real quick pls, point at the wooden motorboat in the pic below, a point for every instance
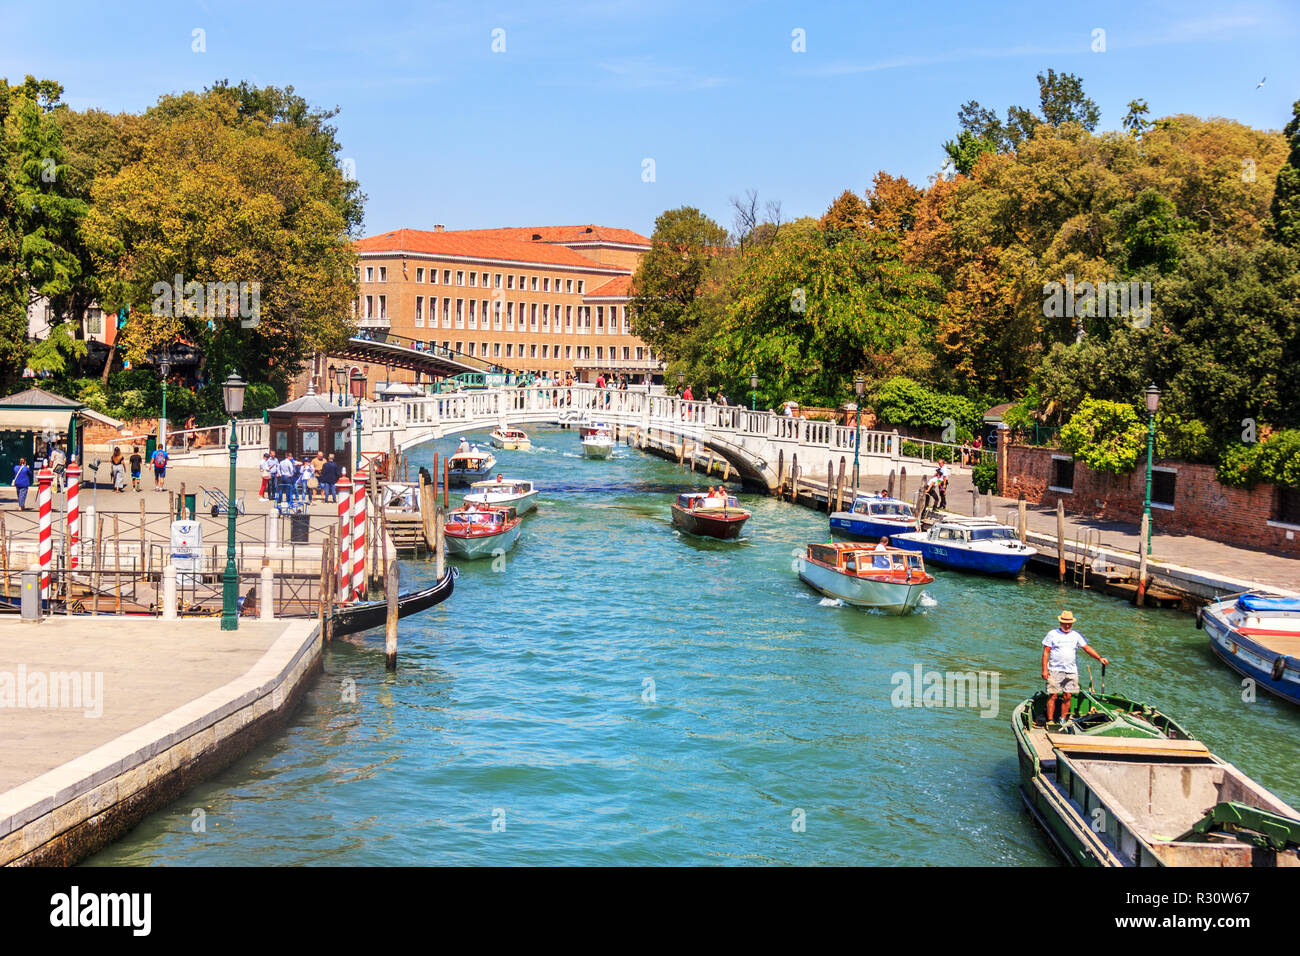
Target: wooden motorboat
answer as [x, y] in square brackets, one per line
[1258, 636]
[510, 439]
[363, 615]
[597, 440]
[466, 467]
[710, 517]
[972, 544]
[1118, 783]
[889, 579]
[514, 493]
[874, 516]
[479, 532]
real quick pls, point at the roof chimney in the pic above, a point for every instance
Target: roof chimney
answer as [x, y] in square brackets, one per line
[438, 227]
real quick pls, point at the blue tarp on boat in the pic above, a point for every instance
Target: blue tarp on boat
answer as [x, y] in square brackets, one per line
[1259, 602]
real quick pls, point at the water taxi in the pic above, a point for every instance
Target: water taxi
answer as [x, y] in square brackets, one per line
[504, 492]
[971, 544]
[1259, 637]
[510, 439]
[597, 440]
[874, 516]
[480, 532]
[890, 579]
[469, 466]
[719, 516]
[1118, 783]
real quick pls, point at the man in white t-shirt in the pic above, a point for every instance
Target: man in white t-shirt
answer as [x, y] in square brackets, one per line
[1060, 668]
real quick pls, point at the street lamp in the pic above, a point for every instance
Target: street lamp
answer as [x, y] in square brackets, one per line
[681, 378]
[333, 370]
[164, 369]
[859, 385]
[1153, 402]
[341, 380]
[358, 389]
[232, 395]
[753, 391]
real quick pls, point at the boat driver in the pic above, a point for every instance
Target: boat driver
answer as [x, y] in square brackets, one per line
[1060, 668]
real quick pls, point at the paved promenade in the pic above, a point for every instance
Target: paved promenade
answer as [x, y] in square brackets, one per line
[102, 722]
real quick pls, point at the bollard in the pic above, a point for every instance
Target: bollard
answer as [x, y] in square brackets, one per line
[169, 593]
[272, 530]
[31, 599]
[265, 603]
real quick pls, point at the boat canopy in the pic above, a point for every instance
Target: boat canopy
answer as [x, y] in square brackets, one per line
[883, 507]
[698, 500]
[1261, 602]
[851, 559]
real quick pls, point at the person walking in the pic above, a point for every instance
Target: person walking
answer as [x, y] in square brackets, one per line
[137, 462]
[285, 478]
[264, 470]
[307, 477]
[22, 482]
[159, 462]
[118, 471]
[329, 477]
[1061, 667]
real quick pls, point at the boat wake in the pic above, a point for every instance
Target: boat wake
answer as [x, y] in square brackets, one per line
[830, 602]
[928, 601]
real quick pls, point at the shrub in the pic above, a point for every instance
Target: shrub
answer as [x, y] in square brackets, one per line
[1276, 461]
[985, 476]
[1106, 436]
[901, 401]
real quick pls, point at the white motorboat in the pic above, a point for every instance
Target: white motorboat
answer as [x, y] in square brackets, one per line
[597, 440]
[889, 579]
[466, 467]
[502, 492]
[510, 439]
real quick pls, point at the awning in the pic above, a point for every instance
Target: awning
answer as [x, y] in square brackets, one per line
[35, 419]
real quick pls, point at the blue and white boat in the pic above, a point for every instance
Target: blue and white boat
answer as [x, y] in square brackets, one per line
[1259, 637]
[971, 544]
[873, 516]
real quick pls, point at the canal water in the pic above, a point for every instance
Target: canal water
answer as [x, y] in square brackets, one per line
[613, 692]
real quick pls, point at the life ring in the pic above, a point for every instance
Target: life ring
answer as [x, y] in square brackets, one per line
[1200, 623]
[1279, 666]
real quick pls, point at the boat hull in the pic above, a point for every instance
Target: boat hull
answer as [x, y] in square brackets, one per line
[1250, 659]
[889, 596]
[850, 525]
[483, 545]
[724, 527]
[597, 449]
[521, 503]
[349, 619]
[966, 559]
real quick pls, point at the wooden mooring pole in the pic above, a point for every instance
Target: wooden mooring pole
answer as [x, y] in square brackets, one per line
[1060, 539]
[1022, 522]
[1141, 596]
[390, 623]
[839, 488]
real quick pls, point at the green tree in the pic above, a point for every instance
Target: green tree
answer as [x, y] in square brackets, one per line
[1105, 436]
[13, 283]
[1284, 222]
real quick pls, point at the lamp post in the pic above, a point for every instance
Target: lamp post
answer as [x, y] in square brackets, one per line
[681, 379]
[753, 392]
[164, 369]
[859, 384]
[358, 389]
[341, 380]
[333, 369]
[232, 394]
[1153, 402]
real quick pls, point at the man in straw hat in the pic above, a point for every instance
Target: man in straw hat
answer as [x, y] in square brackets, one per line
[1060, 669]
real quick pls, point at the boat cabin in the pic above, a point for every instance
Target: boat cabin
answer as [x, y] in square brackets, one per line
[698, 501]
[487, 519]
[973, 531]
[878, 507]
[511, 434]
[509, 486]
[859, 561]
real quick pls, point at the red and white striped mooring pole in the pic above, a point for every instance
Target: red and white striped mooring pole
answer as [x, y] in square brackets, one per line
[359, 533]
[45, 549]
[74, 516]
[344, 487]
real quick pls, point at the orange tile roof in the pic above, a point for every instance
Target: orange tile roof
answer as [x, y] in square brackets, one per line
[620, 286]
[470, 244]
[562, 234]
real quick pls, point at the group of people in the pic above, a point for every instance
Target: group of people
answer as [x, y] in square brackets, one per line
[118, 464]
[289, 480]
[936, 489]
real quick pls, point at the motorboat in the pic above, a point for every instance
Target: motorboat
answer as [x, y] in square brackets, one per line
[472, 532]
[597, 440]
[889, 579]
[466, 467]
[510, 439]
[874, 516]
[504, 492]
[1258, 636]
[710, 516]
[972, 544]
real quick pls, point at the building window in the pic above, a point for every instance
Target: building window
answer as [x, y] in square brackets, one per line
[496, 281]
[433, 276]
[1288, 505]
[1163, 484]
[600, 353]
[532, 319]
[640, 353]
[460, 315]
[419, 275]
[473, 315]
[1062, 475]
[532, 350]
[510, 316]
[460, 277]
[520, 353]
[446, 313]
[473, 279]
[568, 351]
[546, 317]
[600, 317]
[419, 311]
[582, 287]
[383, 306]
[484, 276]
[471, 348]
[626, 357]
[370, 273]
[460, 346]
[568, 286]
[370, 307]
[496, 314]
[509, 349]
[521, 283]
[94, 321]
[545, 349]
[496, 349]
[383, 273]
[446, 277]
[510, 281]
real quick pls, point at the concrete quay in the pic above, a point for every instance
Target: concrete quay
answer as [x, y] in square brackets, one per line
[100, 726]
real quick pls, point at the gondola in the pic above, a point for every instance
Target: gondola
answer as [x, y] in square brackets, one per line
[363, 615]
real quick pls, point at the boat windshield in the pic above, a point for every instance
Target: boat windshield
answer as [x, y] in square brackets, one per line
[992, 534]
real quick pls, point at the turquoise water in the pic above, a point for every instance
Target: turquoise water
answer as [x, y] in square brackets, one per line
[615, 693]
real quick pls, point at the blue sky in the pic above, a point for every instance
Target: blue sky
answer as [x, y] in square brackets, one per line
[556, 128]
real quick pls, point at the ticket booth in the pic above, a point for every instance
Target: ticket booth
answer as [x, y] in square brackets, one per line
[309, 425]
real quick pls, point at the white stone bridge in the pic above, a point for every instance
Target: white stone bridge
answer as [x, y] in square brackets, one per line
[757, 444]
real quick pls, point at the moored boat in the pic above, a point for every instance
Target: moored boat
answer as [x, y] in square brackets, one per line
[1259, 637]
[480, 532]
[874, 516]
[504, 492]
[971, 544]
[710, 517]
[889, 579]
[510, 439]
[363, 615]
[1118, 783]
[466, 467]
[597, 440]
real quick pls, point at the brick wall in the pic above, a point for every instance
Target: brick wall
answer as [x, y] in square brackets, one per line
[1202, 506]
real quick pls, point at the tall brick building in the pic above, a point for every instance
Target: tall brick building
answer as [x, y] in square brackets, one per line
[549, 299]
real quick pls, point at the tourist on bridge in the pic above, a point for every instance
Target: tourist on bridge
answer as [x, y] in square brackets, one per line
[22, 481]
[1060, 664]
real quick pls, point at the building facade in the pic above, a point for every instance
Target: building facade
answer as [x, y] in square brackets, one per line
[546, 300]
